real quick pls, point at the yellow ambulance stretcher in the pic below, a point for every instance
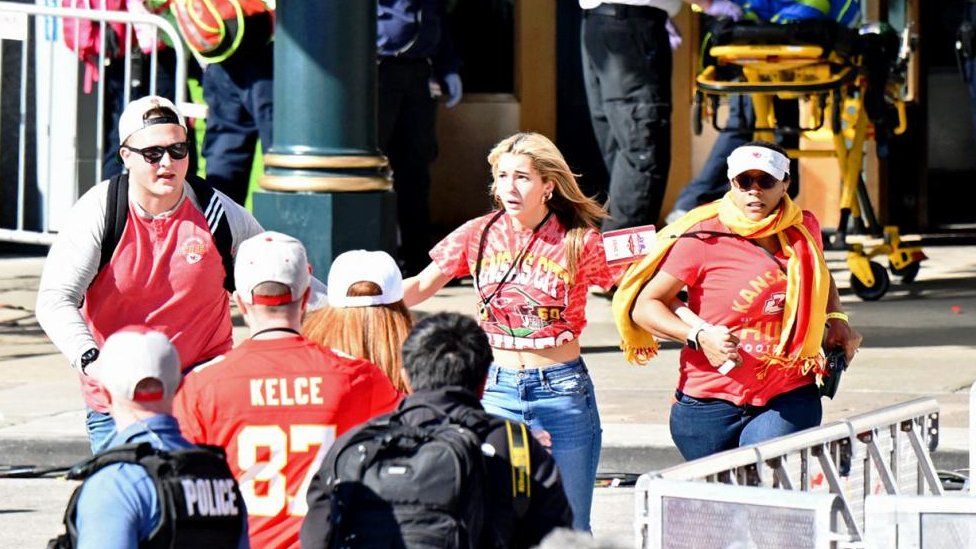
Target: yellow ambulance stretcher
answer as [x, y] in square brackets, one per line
[839, 75]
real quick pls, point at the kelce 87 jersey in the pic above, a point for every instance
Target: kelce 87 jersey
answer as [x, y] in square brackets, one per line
[276, 406]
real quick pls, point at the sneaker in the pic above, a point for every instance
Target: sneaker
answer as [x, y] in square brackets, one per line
[674, 216]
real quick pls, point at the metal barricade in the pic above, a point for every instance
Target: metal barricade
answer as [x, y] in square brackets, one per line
[883, 451]
[914, 522]
[695, 515]
[52, 172]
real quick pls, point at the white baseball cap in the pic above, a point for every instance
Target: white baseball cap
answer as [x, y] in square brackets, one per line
[133, 117]
[363, 266]
[271, 257]
[752, 157]
[133, 354]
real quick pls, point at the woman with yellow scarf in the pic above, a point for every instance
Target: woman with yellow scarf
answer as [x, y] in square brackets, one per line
[759, 297]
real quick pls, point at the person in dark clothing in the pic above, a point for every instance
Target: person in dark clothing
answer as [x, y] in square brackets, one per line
[446, 359]
[417, 65]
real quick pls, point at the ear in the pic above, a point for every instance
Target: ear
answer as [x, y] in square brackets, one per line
[549, 186]
[305, 297]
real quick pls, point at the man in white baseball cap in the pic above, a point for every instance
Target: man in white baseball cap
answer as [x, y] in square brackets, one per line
[155, 245]
[277, 377]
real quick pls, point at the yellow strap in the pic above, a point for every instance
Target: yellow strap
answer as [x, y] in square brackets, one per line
[518, 454]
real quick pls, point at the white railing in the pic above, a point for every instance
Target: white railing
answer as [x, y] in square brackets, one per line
[912, 522]
[695, 514]
[883, 451]
[63, 119]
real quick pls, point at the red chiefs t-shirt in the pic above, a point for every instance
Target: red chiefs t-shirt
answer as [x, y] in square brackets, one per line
[277, 406]
[166, 273]
[535, 304]
[734, 283]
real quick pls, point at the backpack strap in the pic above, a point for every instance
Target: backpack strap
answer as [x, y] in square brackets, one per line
[519, 456]
[116, 216]
[213, 212]
[127, 453]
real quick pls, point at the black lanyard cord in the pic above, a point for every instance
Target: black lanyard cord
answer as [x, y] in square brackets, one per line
[269, 330]
[515, 263]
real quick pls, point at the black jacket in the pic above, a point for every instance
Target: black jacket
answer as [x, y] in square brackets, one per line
[548, 507]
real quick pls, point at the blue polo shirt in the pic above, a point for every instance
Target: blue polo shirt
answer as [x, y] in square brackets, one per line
[118, 505]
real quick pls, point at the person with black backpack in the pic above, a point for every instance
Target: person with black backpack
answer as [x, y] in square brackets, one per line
[439, 471]
[155, 246]
[151, 488]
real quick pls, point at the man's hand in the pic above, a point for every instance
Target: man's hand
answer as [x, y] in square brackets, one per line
[841, 336]
[722, 8]
[674, 36]
[719, 345]
[454, 89]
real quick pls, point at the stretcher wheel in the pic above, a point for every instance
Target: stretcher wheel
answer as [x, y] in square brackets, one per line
[907, 273]
[874, 292]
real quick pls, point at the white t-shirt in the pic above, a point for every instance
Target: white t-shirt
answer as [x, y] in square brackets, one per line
[670, 6]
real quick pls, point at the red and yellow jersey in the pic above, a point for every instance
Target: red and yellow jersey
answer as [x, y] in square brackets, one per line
[534, 303]
[734, 283]
[276, 406]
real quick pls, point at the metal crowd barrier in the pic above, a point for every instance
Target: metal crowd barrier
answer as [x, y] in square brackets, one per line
[883, 451]
[911, 522]
[697, 515]
[59, 113]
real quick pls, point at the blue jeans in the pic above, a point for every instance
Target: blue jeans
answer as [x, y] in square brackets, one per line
[560, 400]
[101, 429]
[704, 426]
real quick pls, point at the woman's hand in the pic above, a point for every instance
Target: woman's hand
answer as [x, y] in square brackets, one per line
[841, 336]
[719, 345]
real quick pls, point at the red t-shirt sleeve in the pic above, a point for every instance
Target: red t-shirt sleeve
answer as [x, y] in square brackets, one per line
[593, 268]
[451, 253]
[684, 259]
[187, 414]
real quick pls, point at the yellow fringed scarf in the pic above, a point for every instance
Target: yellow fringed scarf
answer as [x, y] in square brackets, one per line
[807, 283]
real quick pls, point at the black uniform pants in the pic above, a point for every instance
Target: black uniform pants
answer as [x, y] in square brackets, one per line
[407, 115]
[627, 73]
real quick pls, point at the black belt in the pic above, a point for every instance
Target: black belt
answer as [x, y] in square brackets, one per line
[625, 11]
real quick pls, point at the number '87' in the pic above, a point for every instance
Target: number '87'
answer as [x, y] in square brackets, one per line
[302, 438]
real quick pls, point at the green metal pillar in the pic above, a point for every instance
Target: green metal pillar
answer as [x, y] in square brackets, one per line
[325, 180]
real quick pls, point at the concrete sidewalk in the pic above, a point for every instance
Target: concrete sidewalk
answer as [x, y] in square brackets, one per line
[920, 340]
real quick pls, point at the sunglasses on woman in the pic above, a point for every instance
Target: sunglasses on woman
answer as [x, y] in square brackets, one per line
[152, 155]
[744, 181]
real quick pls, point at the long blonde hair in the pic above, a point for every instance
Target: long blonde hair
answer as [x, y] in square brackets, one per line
[576, 211]
[374, 333]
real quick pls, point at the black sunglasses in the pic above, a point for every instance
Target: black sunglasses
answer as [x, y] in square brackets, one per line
[744, 181]
[152, 155]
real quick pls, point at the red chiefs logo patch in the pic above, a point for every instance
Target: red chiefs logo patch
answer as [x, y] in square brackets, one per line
[774, 304]
[193, 249]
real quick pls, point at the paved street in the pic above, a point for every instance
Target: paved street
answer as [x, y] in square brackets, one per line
[920, 340]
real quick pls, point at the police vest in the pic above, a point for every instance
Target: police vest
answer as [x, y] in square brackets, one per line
[199, 501]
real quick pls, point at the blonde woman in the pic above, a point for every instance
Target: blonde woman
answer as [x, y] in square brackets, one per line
[366, 317]
[532, 259]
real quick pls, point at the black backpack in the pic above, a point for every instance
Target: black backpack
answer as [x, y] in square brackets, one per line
[117, 215]
[396, 485]
[199, 500]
